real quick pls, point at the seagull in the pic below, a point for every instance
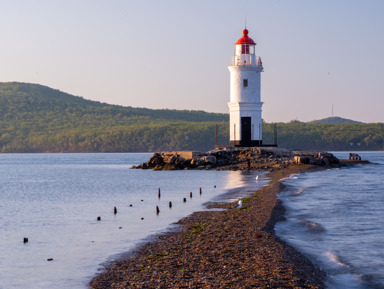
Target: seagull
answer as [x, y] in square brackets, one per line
[257, 178]
[238, 206]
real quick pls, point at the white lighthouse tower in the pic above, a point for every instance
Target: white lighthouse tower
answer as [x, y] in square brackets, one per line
[245, 102]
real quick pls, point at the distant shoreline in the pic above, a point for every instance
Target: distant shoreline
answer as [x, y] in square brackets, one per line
[235, 248]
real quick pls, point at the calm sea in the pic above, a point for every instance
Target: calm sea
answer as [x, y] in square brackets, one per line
[54, 201]
[336, 217]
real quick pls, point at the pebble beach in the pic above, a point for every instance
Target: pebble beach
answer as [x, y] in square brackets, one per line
[227, 248]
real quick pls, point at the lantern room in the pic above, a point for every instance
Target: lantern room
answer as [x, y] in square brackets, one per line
[245, 51]
[245, 45]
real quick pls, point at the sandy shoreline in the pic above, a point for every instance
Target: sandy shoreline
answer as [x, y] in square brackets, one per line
[235, 248]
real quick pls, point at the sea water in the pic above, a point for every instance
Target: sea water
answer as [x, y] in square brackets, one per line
[54, 201]
[336, 217]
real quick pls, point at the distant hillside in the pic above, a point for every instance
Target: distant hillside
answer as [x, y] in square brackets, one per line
[328, 137]
[335, 120]
[36, 118]
[28, 100]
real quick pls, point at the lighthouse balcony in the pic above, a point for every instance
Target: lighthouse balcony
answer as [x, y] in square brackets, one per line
[246, 60]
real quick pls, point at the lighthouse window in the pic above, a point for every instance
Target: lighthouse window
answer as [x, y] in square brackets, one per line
[245, 83]
[245, 49]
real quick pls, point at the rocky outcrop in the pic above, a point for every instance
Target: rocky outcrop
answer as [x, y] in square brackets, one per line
[315, 158]
[179, 161]
[236, 158]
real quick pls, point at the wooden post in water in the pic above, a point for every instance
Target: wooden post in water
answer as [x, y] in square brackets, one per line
[185, 200]
[190, 194]
[25, 240]
[159, 193]
[170, 204]
[157, 210]
[115, 210]
[200, 191]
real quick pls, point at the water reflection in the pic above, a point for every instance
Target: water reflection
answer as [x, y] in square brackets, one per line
[240, 184]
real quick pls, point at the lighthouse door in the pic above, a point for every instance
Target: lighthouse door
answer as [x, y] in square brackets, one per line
[246, 131]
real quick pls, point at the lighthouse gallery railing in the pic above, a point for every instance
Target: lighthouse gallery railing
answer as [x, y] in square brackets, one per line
[246, 59]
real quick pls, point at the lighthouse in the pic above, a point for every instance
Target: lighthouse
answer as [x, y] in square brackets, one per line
[245, 102]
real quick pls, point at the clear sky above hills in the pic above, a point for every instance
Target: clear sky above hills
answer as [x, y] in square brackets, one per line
[174, 54]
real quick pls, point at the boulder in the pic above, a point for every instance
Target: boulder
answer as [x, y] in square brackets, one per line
[155, 160]
[180, 160]
[209, 160]
[169, 167]
[301, 159]
[196, 161]
[169, 159]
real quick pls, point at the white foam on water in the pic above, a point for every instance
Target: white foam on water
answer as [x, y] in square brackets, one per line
[299, 191]
[335, 259]
[313, 225]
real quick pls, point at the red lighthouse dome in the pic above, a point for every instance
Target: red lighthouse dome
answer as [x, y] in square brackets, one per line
[245, 39]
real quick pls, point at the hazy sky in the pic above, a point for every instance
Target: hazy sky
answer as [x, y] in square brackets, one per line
[174, 54]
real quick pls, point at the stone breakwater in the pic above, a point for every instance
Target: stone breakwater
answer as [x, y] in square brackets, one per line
[236, 158]
[231, 247]
[228, 248]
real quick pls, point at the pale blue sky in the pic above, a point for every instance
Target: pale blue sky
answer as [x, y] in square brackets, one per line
[174, 54]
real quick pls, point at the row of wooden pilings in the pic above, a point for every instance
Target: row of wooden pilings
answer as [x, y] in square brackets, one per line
[25, 240]
[170, 203]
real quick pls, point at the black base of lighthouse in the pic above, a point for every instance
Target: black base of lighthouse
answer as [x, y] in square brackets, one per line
[252, 143]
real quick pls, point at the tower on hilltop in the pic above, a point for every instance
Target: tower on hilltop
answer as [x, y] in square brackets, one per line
[245, 102]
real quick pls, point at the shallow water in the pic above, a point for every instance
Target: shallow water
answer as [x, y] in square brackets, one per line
[55, 199]
[336, 217]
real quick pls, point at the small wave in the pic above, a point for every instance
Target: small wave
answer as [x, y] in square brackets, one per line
[216, 210]
[313, 226]
[299, 191]
[336, 259]
[293, 176]
[282, 180]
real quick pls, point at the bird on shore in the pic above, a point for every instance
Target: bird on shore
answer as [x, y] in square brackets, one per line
[239, 204]
[257, 178]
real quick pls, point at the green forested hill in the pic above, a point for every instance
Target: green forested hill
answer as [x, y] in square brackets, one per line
[26, 101]
[328, 137]
[36, 118]
[335, 120]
